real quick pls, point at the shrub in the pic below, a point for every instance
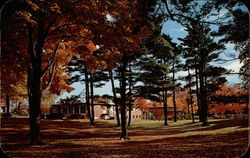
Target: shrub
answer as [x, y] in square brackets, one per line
[6, 115]
[75, 116]
[55, 116]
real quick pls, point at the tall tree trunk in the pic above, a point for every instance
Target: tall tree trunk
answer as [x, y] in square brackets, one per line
[34, 82]
[174, 101]
[204, 108]
[87, 96]
[115, 98]
[130, 99]
[92, 99]
[129, 113]
[190, 95]
[34, 108]
[198, 95]
[124, 133]
[192, 109]
[18, 106]
[8, 105]
[188, 105]
[165, 107]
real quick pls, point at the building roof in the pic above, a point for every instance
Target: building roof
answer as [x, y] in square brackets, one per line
[159, 107]
[104, 104]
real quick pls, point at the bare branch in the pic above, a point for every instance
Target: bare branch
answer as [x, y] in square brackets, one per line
[52, 61]
[51, 76]
[60, 27]
[67, 37]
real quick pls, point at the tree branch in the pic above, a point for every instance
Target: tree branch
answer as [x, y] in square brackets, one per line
[52, 60]
[67, 37]
[51, 74]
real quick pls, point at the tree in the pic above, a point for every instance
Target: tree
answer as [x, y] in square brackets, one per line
[236, 32]
[115, 99]
[12, 63]
[176, 65]
[201, 49]
[229, 99]
[143, 104]
[231, 16]
[50, 30]
[154, 69]
[133, 35]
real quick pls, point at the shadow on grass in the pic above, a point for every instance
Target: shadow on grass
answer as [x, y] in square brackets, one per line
[65, 137]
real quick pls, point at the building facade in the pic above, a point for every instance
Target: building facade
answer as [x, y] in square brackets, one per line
[102, 111]
[158, 113]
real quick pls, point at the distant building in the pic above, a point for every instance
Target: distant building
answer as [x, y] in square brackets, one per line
[158, 113]
[68, 109]
[136, 114]
[102, 111]
[2, 108]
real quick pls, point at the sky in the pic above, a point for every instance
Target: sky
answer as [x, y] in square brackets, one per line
[176, 31]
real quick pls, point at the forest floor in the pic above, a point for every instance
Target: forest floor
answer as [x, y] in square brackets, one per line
[149, 139]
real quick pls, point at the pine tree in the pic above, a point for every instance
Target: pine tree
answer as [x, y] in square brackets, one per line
[176, 66]
[155, 68]
[201, 51]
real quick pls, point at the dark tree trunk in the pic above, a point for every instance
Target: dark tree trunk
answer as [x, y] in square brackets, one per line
[34, 82]
[34, 108]
[190, 95]
[129, 113]
[204, 109]
[165, 106]
[174, 101]
[115, 98]
[18, 106]
[124, 133]
[198, 95]
[92, 99]
[8, 105]
[130, 99]
[192, 110]
[87, 97]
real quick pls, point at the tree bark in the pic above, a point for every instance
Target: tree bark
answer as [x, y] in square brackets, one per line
[190, 95]
[165, 106]
[115, 98]
[130, 99]
[87, 97]
[34, 82]
[18, 106]
[204, 109]
[129, 114]
[198, 95]
[92, 99]
[34, 109]
[8, 105]
[124, 133]
[174, 102]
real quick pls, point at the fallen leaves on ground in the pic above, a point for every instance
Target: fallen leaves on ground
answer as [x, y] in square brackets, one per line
[149, 139]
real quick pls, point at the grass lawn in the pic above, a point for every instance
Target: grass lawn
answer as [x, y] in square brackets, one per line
[149, 139]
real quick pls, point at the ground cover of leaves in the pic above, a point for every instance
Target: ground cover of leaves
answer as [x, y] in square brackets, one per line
[149, 139]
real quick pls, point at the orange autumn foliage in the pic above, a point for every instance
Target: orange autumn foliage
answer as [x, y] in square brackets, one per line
[142, 103]
[228, 91]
